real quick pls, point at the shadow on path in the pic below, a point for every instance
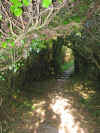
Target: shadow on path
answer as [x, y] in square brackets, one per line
[51, 107]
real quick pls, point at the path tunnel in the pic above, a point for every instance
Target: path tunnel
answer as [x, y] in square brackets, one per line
[68, 58]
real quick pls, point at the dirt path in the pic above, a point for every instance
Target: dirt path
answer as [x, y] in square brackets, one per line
[57, 110]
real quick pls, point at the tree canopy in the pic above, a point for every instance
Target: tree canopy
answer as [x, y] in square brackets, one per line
[25, 22]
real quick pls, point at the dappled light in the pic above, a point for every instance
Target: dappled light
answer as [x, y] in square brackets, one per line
[85, 92]
[63, 108]
[56, 115]
[57, 112]
[49, 66]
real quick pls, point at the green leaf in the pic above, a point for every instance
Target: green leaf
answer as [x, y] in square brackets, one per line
[12, 44]
[26, 2]
[0, 16]
[8, 40]
[14, 1]
[60, 1]
[12, 8]
[18, 12]
[33, 107]
[46, 3]
[19, 4]
[4, 44]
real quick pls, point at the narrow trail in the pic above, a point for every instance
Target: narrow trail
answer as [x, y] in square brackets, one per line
[58, 110]
[65, 75]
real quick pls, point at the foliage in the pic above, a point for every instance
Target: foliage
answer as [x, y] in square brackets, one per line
[16, 7]
[17, 28]
[25, 53]
[23, 37]
[84, 44]
[21, 33]
[46, 3]
[67, 65]
[37, 45]
[0, 17]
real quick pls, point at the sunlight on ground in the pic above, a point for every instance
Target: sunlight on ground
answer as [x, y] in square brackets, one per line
[63, 109]
[57, 114]
[84, 91]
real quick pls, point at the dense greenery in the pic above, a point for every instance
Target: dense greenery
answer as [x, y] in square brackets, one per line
[34, 36]
[76, 23]
[85, 45]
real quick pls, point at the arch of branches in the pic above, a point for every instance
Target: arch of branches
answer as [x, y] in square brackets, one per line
[38, 24]
[86, 46]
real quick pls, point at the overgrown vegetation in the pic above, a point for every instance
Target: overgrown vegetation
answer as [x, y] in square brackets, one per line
[34, 36]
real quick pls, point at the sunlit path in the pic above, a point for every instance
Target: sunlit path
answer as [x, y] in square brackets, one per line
[57, 110]
[62, 107]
